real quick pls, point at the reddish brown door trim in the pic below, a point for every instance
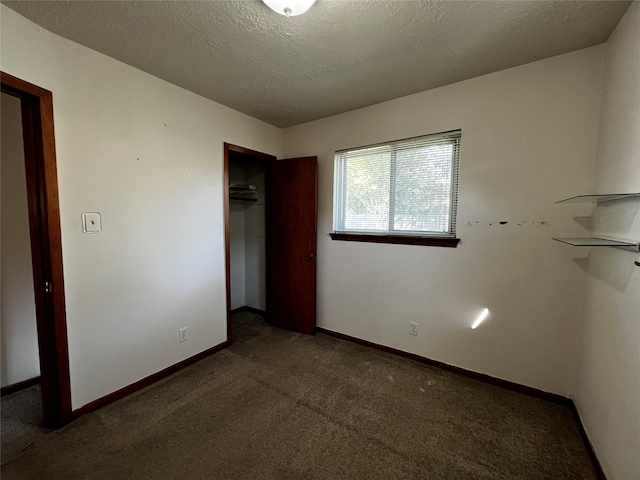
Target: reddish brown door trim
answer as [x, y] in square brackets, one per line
[46, 246]
[230, 149]
[16, 387]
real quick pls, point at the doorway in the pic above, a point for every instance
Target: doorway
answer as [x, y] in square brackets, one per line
[247, 237]
[36, 105]
[270, 236]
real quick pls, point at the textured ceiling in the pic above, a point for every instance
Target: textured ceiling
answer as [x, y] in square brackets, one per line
[339, 56]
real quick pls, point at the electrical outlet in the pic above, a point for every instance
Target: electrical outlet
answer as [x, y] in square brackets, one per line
[182, 334]
[413, 328]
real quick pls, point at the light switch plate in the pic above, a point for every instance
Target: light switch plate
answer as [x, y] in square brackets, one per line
[91, 222]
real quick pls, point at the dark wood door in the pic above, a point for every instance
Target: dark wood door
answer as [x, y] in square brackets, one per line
[291, 218]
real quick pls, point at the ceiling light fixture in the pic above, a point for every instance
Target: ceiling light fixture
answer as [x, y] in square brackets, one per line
[289, 8]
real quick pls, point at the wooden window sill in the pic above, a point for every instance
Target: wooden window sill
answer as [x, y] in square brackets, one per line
[431, 241]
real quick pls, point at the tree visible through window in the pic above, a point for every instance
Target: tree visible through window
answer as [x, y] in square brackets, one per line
[408, 187]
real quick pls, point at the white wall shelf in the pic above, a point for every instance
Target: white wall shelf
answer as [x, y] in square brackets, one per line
[607, 197]
[598, 241]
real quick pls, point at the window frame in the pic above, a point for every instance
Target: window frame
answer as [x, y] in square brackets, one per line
[394, 236]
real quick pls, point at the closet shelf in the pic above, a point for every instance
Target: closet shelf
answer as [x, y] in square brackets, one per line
[242, 192]
[599, 198]
[245, 187]
[243, 199]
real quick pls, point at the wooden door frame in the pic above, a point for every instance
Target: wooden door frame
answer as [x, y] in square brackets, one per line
[228, 148]
[46, 246]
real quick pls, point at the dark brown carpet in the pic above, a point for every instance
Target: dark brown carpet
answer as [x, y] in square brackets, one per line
[279, 405]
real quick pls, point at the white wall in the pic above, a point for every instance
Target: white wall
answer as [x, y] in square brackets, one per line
[608, 395]
[236, 241]
[528, 140]
[255, 262]
[148, 156]
[20, 360]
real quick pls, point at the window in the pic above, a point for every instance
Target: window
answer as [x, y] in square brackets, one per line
[398, 192]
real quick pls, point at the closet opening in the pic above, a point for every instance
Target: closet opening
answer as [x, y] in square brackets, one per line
[246, 172]
[271, 209]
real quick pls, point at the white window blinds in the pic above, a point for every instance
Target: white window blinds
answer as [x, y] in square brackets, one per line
[407, 187]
